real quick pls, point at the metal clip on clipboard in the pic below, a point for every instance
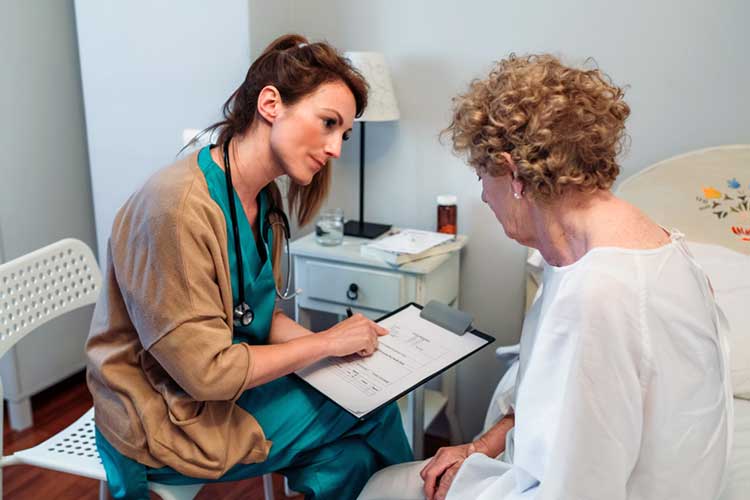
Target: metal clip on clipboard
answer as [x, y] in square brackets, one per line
[458, 322]
[454, 321]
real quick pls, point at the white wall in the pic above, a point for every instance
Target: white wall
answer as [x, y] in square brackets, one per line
[44, 185]
[686, 64]
[268, 21]
[45, 194]
[150, 70]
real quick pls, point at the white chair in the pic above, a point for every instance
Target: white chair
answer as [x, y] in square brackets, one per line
[35, 289]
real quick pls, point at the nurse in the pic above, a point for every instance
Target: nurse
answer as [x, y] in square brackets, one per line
[622, 388]
[190, 374]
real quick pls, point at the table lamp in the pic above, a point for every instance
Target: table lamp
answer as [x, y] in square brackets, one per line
[381, 107]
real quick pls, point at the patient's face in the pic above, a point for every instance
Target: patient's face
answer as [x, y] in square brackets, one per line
[512, 213]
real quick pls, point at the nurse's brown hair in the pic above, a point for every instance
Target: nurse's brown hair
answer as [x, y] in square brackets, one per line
[296, 68]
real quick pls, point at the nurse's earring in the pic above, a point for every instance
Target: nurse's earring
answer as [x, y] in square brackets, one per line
[517, 196]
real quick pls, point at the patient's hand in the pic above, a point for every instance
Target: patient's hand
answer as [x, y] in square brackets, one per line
[439, 472]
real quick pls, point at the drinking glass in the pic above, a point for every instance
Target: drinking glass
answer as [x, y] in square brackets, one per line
[329, 228]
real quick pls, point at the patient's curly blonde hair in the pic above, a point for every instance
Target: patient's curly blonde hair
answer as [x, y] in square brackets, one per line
[563, 127]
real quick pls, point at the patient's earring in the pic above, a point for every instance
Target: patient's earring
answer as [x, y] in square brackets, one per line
[516, 194]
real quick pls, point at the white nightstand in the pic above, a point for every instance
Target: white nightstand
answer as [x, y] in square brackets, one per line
[337, 277]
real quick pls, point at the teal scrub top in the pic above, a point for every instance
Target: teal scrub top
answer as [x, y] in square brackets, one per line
[260, 289]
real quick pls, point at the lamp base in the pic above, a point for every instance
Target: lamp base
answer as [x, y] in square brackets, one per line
[368, 230]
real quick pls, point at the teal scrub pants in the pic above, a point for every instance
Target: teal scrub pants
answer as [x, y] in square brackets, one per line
[329, 454]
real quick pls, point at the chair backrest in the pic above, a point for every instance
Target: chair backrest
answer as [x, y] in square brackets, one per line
[42, 285]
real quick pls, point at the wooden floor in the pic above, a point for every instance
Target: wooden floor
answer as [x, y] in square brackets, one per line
[58, 407]
[55, 409]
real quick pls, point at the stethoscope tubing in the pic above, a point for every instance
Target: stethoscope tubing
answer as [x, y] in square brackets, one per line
[243, 313]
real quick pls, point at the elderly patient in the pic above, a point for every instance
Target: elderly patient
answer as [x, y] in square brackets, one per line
[621, 389]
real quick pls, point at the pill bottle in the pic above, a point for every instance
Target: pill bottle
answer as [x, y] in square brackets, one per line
[446, 213]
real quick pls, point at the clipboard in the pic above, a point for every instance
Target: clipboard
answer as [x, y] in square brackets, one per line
[331, 375]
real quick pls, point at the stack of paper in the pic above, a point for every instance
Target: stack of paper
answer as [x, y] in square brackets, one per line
[412, 244]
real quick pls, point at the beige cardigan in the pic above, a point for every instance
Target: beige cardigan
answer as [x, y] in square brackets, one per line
[162, 368]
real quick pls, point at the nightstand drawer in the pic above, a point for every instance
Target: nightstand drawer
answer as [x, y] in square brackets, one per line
[354, 286]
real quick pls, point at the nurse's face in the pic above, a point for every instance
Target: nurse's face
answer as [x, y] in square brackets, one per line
[307, 134]
[512, 213]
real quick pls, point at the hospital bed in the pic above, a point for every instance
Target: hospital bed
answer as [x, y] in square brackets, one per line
[706, 195]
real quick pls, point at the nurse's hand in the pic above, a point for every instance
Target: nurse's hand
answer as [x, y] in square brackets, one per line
[353, 335]
[439, 472]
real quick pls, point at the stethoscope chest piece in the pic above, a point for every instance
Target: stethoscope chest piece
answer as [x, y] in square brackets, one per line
[243, 315]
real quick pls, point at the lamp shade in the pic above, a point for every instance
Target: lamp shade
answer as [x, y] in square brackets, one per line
[381, 101]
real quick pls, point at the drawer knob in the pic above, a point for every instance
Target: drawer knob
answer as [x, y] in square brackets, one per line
[353, 292]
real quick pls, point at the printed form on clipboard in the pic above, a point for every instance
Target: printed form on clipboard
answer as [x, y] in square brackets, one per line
[415, 350]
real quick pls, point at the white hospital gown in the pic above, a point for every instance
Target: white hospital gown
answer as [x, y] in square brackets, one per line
[622, 389]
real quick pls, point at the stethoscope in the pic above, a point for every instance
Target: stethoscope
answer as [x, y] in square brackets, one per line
[243, 313]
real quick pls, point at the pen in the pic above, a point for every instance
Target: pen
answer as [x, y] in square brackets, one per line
[349, 312]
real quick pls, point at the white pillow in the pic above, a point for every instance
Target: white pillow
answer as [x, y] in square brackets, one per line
[729, 273]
